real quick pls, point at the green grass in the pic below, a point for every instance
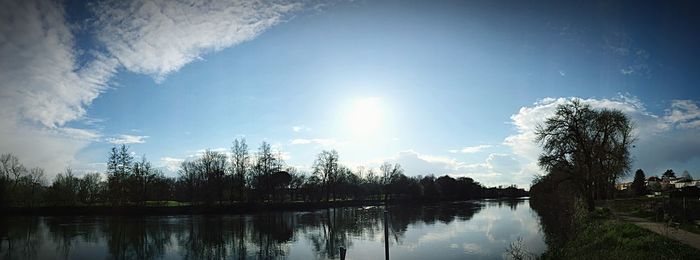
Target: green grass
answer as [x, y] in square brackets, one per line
[612, 239]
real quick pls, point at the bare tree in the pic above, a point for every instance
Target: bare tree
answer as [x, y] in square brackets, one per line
[326, 168]
[240, 164]
[142, 175]
[213, 166]
[389, 172]
[265, 165]
[191, 178]
[90, 188]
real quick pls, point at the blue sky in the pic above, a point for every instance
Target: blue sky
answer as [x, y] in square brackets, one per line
[440, 87]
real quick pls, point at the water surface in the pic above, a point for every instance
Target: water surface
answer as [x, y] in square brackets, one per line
[466, 230]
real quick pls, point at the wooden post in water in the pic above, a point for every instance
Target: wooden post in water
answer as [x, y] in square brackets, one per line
[386, 234]
[342, 253]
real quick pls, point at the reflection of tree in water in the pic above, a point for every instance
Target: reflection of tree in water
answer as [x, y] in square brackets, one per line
[511, 203]
[331, 228]
[262, 236]
[64, 231]
[270, 232]
[208, 237]
[136, 237]
[334, 228]
[202, 237]
[19, 237]
[403, 216]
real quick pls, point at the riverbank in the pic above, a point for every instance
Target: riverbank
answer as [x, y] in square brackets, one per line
[605, 237]
[226, 208]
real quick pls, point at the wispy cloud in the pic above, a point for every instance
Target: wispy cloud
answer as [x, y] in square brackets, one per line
[43, 87]
[684, 113]
[300, 128]
[127, 139]
[319, 141]
[159, 37]
[471, 149]
[48, 81]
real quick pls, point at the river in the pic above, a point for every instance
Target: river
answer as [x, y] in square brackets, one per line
[466, 230]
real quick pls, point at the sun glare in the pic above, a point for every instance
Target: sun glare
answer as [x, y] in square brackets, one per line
[365, 116]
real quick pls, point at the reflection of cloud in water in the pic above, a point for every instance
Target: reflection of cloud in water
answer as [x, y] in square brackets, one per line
[472, 248]
[442, 232]
[446, 231]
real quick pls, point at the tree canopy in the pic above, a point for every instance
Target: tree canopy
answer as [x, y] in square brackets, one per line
[590, 146]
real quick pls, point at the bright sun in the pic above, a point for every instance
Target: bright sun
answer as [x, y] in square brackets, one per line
[365, 116]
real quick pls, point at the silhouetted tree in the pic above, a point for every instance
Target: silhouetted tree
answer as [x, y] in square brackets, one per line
[213, 166]
[296, 182]
[142, 175]
[266, 164]
[389, 172]
[119, 166]
[592, 146]
[326, 168]
[430, 191]
[90, 188]
[669, 174]
[65, 189]
[240, 164]
[11, 173]
[190, 180]
[638, 184]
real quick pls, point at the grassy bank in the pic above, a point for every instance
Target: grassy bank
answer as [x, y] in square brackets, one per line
[603, 237]
[661, 209]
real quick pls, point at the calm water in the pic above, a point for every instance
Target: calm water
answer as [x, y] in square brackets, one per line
[480, 230]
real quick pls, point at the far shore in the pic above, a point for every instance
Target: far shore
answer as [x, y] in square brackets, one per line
[225, 208]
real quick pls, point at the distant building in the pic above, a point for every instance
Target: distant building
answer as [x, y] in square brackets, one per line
[623, 186]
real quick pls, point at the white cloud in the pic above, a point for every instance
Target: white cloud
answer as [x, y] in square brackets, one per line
[662, 140]
[42, 81]
[43, 86]
[471, 149]
[684, 113]
[300, 128]
[49, 82]
[318, 141]
[171, 164]
[127, 139]
[159, 37]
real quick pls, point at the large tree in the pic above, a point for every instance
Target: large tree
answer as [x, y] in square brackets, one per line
[591, 146]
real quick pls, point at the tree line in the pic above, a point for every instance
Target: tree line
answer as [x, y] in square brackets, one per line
[240, 176]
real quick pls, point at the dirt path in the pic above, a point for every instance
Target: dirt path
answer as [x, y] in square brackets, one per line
[680, 235]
